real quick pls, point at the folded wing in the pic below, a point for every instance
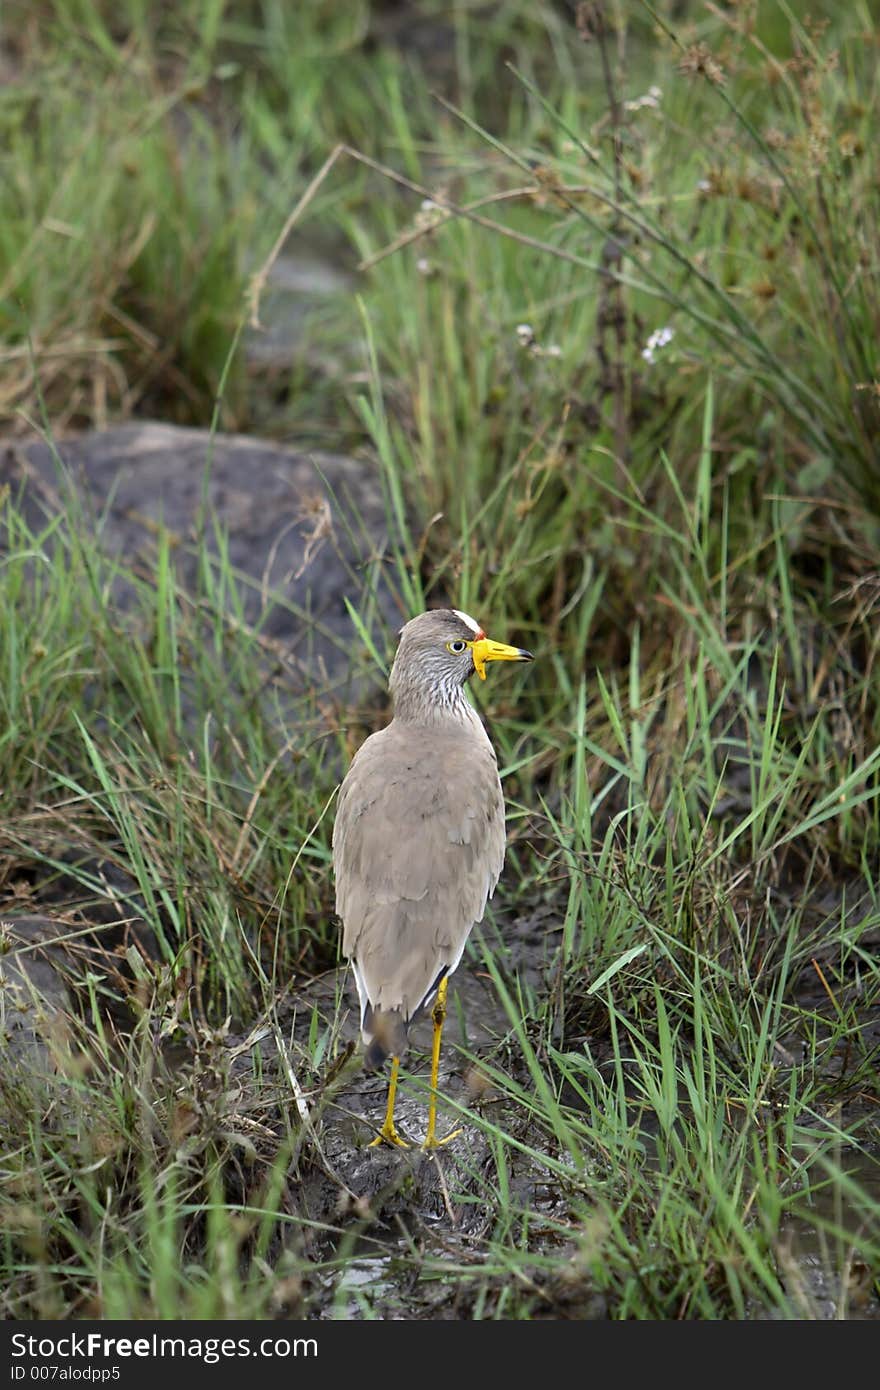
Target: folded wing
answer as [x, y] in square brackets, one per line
[417, 855]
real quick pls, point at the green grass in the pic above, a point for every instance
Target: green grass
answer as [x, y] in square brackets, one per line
[687, 1102]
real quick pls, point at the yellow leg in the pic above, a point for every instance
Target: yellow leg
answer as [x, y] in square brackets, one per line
[438, 1015]
[388, 1134]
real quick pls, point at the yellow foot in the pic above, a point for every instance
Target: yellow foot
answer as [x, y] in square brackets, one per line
[388, 1135]
[432, 1142]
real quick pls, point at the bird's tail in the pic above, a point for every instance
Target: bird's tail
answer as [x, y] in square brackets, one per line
[385, 1033]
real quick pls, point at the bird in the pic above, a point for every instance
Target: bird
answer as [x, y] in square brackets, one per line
[418, 842]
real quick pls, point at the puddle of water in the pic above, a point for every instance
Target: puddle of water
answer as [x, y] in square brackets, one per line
[367, 1277]
[823, 1276]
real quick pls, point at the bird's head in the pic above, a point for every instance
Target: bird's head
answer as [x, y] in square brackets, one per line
[440, 650]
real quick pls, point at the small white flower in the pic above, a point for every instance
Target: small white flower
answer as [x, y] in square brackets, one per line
[431, 213]
[527, 340]
[650, 99]
[423, 265]
[658, 339]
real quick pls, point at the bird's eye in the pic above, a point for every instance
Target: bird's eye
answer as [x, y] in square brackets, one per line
[456, 647]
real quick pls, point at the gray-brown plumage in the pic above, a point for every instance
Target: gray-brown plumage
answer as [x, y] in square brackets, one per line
[419, 838]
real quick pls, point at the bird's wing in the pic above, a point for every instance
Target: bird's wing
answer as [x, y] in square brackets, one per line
[418, 846]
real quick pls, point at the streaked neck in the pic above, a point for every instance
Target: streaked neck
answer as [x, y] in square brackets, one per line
[433, 706]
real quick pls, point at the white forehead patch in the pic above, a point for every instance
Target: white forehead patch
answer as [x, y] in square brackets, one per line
[467, 620]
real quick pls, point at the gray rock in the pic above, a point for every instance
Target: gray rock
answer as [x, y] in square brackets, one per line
[301, 527]
[34, 998]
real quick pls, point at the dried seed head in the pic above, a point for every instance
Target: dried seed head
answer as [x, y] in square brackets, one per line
[699, 61]
[775, 138]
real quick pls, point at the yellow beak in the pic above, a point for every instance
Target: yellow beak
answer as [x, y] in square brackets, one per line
[484, 650]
